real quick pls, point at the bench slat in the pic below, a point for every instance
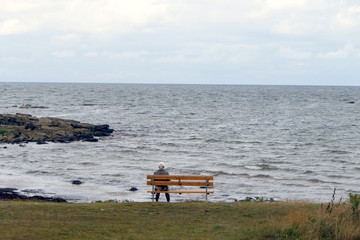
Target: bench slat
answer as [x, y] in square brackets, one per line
[180, 177]
[180, 183]
[182, 191]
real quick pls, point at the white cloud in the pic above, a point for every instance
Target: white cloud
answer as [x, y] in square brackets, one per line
[18, 6]
[348, 19]
[234, 53]
[125, 16]
[344, 52]
[64, 54]
[214, 35]
[15, 60]
[291, 53]
[91, 54]
[66, 39]
[15, 26]
[268, 8]
[110, 16]
[89, 16]
[137, 54]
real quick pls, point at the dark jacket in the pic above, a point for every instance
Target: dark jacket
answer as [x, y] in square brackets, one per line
[162, 172]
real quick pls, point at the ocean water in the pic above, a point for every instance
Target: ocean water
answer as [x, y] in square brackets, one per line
[280, 142]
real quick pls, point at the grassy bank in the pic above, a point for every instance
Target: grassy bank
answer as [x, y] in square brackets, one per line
[188, 220]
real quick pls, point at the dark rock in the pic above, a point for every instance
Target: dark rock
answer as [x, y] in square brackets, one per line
[22, 128]
[77, 182]
[8, 189]
[30, 106]
[30, 126]
[133, 189]
[11, 194]
[352, 102]
[47, 199]
[91, 140]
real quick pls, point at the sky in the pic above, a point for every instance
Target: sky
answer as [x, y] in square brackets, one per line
[262, 42]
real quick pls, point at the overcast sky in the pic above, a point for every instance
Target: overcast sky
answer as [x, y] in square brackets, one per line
[301, 42]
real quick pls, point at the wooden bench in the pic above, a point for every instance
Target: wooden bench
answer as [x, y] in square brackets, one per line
[204, 182]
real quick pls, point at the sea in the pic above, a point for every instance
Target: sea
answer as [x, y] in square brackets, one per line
[262, 142]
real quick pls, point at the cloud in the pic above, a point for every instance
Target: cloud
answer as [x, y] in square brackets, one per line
[288, 52]
[344, 52]
[109, 17]
[221, 53]
[16, 26]
[83, 16]
[347, 19]
[20, 6]
[67, 39]
[184, 37]
[91, 54]
[64, 54]
[15, 60]
[268, 8]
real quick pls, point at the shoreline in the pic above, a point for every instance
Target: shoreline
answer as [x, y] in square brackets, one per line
[10, 193]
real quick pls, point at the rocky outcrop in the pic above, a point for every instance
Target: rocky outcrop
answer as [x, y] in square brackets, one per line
[12, 194]
[20, 128]
[26, 106]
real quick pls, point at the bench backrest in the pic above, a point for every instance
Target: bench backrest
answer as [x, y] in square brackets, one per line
[180, 180]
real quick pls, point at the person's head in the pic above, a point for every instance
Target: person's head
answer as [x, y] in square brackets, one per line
[161, 166]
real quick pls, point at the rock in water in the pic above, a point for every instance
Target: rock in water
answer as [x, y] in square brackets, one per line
[22, 128]
[133, 189]
[77, 182]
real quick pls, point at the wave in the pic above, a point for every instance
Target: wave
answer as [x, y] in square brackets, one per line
[339, 176]
[254, 167]
[315, 180]
[295, 184]
[212, 140]
[89, 164]
[168, 144]
[243, 142]
[261, 167]
[262, 176]
[337, 151]
[220, 172]
[242, 175]
[38, 172]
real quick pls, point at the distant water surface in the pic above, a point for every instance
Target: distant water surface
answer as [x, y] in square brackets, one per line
[281, 142]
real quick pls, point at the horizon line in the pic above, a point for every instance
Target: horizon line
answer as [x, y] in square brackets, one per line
[195, 84]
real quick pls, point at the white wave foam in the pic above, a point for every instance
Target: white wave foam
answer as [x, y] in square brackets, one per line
[253, 167]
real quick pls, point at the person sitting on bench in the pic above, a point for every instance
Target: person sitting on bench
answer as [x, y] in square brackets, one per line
[162, 171]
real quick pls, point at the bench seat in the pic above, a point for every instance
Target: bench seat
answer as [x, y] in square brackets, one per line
[204, 182]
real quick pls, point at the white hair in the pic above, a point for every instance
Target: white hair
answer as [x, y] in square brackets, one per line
[161, 165]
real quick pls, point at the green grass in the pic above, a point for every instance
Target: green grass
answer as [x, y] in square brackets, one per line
[186, 220]
[3, 131]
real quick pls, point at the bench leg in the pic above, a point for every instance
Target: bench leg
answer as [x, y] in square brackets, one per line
[153, 189]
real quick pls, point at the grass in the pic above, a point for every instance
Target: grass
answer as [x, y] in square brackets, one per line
[186, 220]
[3, 131]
